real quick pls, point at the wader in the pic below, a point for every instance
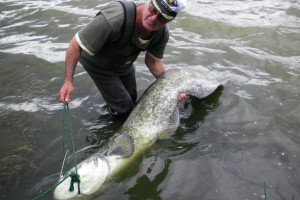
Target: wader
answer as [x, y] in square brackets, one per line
[112, 68]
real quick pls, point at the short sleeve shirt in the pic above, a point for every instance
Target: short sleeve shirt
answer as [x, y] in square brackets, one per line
[107, 27]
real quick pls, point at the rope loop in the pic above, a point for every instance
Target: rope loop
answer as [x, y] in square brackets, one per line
[74, 178]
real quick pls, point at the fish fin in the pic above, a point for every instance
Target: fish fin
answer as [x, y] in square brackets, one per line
[121, 145]
[203, 90]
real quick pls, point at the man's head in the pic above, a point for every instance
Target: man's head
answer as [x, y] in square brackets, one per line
[157, 13]
[169, 9]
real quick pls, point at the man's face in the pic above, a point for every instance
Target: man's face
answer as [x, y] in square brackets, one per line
[152, 19]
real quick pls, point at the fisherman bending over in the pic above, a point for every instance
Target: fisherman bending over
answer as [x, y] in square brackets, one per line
[111, 42]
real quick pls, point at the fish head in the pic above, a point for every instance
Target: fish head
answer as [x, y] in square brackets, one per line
[92, 174]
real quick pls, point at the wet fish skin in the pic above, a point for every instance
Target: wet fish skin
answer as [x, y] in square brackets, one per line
[155, 116]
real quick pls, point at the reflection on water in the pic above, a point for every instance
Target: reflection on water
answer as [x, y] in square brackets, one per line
[227, 145]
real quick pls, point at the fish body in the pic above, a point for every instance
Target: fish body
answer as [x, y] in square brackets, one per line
[155, 116]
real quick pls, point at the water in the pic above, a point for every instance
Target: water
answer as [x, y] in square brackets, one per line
[227, 146]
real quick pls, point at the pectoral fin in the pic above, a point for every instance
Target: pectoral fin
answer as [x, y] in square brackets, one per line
[121, 145]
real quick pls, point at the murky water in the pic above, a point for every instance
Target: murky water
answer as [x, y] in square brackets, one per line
[227, 145]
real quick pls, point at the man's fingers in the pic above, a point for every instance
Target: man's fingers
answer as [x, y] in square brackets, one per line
[65, 93]
[181, 97]
[67, 98]
[64, 96]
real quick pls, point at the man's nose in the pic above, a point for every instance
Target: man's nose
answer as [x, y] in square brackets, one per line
[155, 17]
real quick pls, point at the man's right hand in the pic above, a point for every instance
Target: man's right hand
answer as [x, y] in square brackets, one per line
[72, 57]
[65, 92]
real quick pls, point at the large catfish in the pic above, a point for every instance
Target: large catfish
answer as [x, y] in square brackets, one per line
[155, 116]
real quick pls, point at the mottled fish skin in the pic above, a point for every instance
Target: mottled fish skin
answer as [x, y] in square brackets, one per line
[155, 112]
[155, 116]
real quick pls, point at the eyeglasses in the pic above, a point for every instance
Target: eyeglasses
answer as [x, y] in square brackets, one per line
[154, 11]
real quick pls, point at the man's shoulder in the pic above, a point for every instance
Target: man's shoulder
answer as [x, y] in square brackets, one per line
[120, 16]
[112, 11]
[162, 34]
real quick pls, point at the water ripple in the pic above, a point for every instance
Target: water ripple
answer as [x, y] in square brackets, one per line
[36, 104]
[248, 13]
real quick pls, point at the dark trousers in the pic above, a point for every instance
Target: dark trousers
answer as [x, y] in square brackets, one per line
[118, 89]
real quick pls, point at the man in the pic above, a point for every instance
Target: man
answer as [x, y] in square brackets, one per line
[101, 50]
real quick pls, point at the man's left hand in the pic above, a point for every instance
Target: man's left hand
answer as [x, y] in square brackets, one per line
[181, 97]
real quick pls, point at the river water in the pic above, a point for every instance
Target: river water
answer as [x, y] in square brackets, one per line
[236, 144]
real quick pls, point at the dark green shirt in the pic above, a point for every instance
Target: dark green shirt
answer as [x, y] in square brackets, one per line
[99, 40]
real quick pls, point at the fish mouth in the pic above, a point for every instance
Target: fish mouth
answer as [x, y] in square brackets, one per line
[92, 174]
